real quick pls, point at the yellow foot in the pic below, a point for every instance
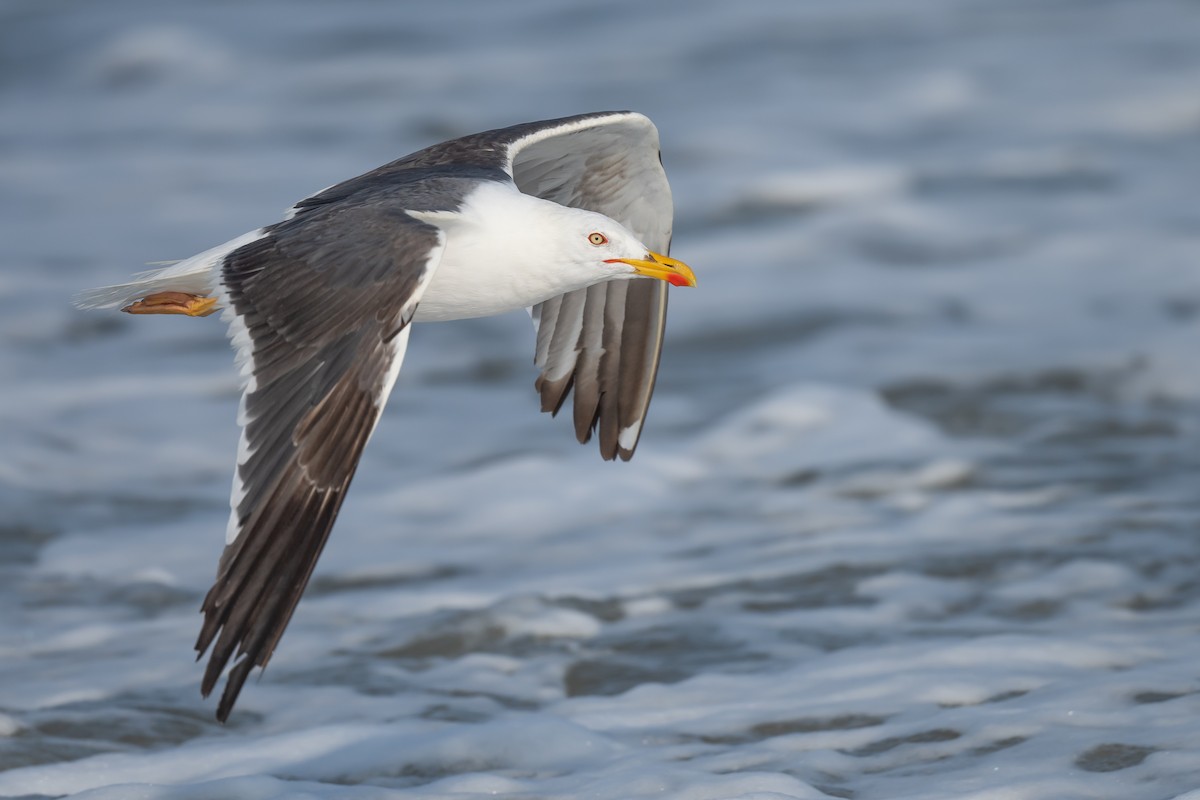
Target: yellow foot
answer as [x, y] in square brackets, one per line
[193, 305]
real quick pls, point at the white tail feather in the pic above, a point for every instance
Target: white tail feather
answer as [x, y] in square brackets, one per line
[199, 275]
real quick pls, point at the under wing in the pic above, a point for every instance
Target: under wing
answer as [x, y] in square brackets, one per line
[604, 341]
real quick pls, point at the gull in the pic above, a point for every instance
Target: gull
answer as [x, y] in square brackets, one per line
[569, 218]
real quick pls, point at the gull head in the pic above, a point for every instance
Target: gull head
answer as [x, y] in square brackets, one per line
[599, 248]
[506, 250]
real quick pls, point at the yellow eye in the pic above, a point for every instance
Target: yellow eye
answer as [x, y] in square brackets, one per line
[597, 239]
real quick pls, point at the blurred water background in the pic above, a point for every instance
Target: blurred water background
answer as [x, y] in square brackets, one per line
[915, 514]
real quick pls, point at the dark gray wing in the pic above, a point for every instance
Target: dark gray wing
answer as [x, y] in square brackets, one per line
[605, 341]
[319, 311]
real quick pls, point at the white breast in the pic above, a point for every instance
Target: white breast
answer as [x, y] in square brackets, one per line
[502, 254]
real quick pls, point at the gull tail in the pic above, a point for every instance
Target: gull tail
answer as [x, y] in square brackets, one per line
[145, 283]
[198, 275]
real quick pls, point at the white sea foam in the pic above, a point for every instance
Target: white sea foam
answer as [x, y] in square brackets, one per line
[913, 514]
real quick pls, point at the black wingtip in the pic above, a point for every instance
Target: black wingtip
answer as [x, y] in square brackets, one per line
[233, 687]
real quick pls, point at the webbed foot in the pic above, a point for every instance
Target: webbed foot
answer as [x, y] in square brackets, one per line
[192, 305]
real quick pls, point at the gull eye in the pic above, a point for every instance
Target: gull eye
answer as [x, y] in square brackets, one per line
[597, 238]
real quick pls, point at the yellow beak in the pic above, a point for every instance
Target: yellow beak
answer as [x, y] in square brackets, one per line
[665, 268]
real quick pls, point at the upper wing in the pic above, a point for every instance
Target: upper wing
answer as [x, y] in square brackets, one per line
[319, 313]
[604, 341]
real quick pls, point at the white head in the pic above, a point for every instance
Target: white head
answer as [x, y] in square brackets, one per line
[506, 250]
[595, 247]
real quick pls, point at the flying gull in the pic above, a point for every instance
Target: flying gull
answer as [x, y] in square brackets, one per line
[552, 216]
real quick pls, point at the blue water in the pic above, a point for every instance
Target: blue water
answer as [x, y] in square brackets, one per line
[915, 513]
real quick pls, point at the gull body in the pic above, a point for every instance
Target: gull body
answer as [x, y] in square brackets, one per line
[570, 218]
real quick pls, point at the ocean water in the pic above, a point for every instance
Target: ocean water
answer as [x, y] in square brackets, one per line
[915, 514]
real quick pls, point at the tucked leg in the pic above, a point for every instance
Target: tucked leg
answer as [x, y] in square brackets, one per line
[191, 305]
